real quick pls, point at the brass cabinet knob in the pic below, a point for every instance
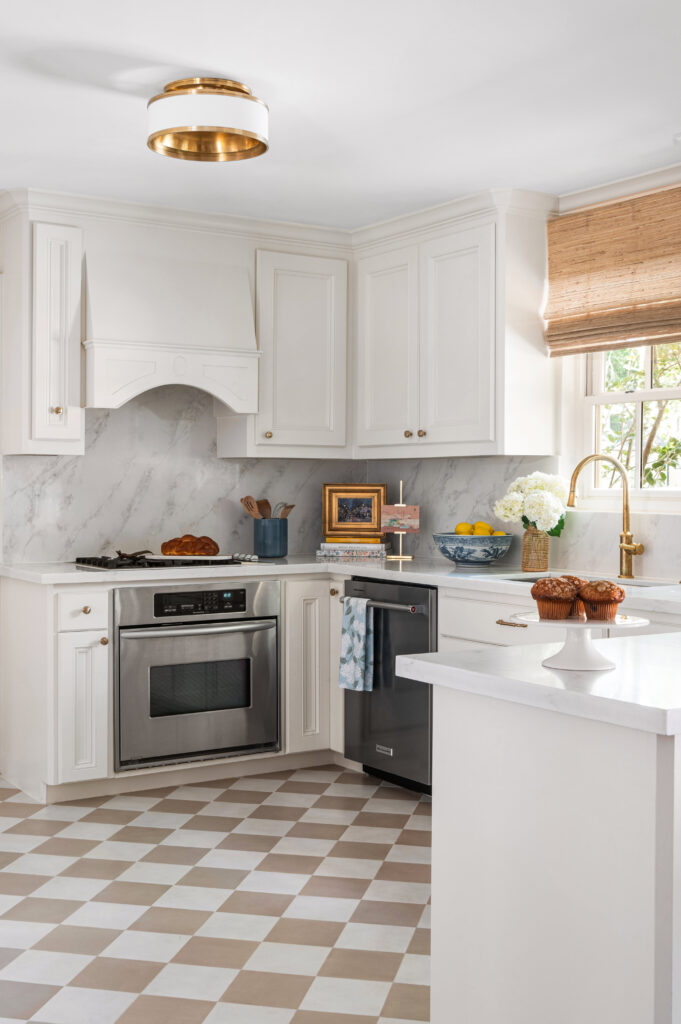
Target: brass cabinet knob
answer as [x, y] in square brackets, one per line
[409, 433]
[333, 592]
[104, 641]
[86, 609]
[421, 433]
[57, 410]
[268, 434]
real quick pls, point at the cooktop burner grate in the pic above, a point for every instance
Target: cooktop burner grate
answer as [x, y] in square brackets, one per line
[146, 560]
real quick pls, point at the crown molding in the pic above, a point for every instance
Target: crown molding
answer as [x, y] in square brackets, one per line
[38, 204]
[623, 188]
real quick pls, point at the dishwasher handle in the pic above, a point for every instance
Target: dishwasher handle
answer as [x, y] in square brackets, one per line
[393, 606]
[160, 634]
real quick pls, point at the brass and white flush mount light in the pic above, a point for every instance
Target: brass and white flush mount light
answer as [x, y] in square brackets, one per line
[209, 119]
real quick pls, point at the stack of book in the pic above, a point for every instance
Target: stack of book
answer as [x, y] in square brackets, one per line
[351, 551]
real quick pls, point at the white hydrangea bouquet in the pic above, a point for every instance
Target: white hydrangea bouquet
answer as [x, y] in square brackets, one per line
[538, 502]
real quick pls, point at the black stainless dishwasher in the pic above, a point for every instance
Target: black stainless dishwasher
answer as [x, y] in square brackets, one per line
[389, 729]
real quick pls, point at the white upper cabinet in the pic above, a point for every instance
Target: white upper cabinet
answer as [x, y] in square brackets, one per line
[387, 348]
[57, 259]
[301, 324]
[450, 356]
[41, 411]
[456, 368]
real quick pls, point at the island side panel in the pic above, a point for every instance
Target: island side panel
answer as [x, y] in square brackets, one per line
[544, 867]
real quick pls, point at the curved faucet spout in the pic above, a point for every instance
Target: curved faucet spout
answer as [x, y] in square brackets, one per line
[627, 547]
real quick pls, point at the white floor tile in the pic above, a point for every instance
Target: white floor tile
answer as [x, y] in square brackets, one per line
[192, 897]
[346, 995]
[84, 1006]
[130, 802]
[161, 819]
[398, 892]
[409, 854]
[274, 881]
[259, 785]
[66, 887]
[18, 843]
[96, 830]
[251, 927]
[305, 847]
[424, 920]
[7, 902]
[342, 867]
[105, 915]
[158, 874]
[328, 816]
[6, 823]
[114, 850]
[39, 864]
[238, 1013]
[61, 812]
[287, 958]
[202, 793]
[421, 822]
[264, 827]
[383, 938]
[378, 806]
[363, 834]
[280, 799]
[22, 934]
[414, 970]
[314, 775]
[359, 792]
[227, 810]
[185, 981]
[45, 968]
[193, 837]
[321, 908]
[244, 860]
[159, 947]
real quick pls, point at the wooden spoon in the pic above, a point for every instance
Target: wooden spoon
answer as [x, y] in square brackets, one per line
[284, 514]
[264, 508]
[251, 506]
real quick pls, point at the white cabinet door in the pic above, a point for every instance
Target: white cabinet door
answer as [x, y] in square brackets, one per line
[83, 719]
[387, 349]
[56, 404]
[456, 274]
[306, 678]
[302, 331]
[336, 694]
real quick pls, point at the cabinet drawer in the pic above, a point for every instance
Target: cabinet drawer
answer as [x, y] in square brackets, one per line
[83, 610]
[489, 622]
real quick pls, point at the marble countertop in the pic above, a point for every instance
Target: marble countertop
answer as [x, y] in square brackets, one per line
[642, 692]
[662, 598]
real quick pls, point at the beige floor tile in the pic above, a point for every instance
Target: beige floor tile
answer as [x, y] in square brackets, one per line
[16, 884]
[311, 1017]
[62, 847]
[36, 827]
[397, 872]
[214, 878]
[408, 1002]
[69, 938]
[96, 867]
[294, 863]
[368, 819]
[242, 841]
[117, 975]
[306, 932]
[14, 809]
[262, 988]
[7, 955]
[134, 893]
[21, 1000]
[211, 823]
[48, 911]
[365, 851]
[6, 857]
[174, 855]
[265, 903]
[165, 1010]
[303, 787]
[209, 952]
[110, 816]
[133, 834]
[414, 837]
[316, 830]
[361, 963]
[343, 888]
[385, 912]
[271, 812]
[421, 942]
[242, 796]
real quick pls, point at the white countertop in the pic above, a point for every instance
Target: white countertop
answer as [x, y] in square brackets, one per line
[665, 598]
[642, 692]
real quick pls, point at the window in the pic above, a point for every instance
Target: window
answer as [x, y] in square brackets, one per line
[634, 400]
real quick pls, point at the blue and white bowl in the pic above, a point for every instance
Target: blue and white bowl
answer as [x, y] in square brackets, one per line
[468, 550]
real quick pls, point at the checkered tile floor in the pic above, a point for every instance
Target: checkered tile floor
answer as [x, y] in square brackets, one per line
[298, 897]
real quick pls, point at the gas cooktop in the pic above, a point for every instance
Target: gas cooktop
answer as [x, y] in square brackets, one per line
[147, 560]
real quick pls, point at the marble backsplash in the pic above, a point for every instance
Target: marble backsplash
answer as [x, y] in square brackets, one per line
[150, 473]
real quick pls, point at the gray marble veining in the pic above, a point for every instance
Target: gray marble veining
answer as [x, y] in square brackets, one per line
[150, 472]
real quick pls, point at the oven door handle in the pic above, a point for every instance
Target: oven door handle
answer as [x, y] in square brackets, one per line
[159, 634]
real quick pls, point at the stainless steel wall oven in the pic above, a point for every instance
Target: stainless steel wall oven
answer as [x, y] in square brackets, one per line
[196, 672]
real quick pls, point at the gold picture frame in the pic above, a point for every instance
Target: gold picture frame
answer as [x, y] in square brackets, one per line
[351, 513]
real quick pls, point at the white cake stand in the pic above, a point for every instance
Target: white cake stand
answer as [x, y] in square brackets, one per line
[578, 653]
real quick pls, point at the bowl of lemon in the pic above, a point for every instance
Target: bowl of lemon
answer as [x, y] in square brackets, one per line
[473, 543]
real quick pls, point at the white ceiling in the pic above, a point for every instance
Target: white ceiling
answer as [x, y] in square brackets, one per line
[377, 107]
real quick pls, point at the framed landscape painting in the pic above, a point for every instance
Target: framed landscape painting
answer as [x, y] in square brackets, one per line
[352, 512]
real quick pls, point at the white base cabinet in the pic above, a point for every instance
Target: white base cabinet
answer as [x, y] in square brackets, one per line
[306, 665]
[83, 718]
[336, 694]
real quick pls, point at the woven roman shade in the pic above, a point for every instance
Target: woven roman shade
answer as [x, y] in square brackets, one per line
[615, 275]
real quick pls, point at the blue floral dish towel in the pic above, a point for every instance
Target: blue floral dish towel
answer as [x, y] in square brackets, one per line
[357, 645]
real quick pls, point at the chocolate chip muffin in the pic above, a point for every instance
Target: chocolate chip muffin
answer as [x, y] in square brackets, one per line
[601, 600]
[577, 605]
[554, 596]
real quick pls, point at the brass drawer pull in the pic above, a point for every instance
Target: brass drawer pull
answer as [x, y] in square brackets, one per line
[409, 433]
[516, 625]
[58, 410]
[333, 592]
[86, 609]
[268, 434]
[421, 433]
[104, 641]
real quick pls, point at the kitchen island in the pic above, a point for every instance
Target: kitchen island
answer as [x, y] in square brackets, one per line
[556, 835]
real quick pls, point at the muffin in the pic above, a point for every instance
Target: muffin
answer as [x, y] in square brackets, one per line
[577, 605]
[554, 597]
[601, 600]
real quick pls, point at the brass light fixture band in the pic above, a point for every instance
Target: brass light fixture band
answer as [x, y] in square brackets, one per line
[200, 142]
[206, 87]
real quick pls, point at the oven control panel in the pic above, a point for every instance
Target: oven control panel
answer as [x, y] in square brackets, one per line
[199, 602]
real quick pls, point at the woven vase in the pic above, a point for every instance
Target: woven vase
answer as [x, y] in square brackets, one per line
[535, 556]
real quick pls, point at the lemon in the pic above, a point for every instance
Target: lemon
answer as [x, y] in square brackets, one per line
[499, 533]
[481, 533]
[482, 527]
[463, 528]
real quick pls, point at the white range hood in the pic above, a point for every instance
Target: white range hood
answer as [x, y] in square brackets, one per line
[161, 318]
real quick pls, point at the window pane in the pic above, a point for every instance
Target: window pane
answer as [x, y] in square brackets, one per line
[624, 369]
[616, 428]
[661, 459]
[667, 365]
